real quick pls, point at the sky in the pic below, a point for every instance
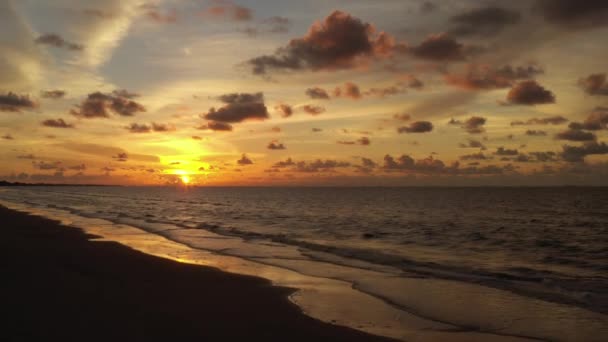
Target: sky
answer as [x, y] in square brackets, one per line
[332, 92]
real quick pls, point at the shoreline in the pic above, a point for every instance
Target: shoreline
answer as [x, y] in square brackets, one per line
[63, 285]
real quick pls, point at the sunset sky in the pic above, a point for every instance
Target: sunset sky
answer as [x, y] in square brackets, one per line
[332, 92]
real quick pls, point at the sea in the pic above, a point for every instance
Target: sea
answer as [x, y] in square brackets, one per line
[414, 263]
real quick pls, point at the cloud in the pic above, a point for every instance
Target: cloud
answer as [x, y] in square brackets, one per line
[284, 110]
[428, 7]
[364, 141]
[501, 151]
[340, 41]
[26, 156]
[350, 90]
[487, 21]
[474, 125]
[485, 77]
[105, 151]
[244, 160]
[316, 130]
[100, 105]
[550, 120]
[239, 107]
[228, 11]
[7, 137]
[277, 24]
[275, 145]
[416, 127]
[52, 94]
[575, 135]
[390, 90]
[402, 117]
[440, 48]
[121, 157]
[536, 133]
[57, 123]
[529, 93]
[11, 102]
[216, 126]
[578, 153]
[594, 84]
[317, 93]
[57, 41]
[137, 128]
[473, 144]
[313, 110]
[80, 167]
[597, 120]
[574, 14]
[42, 165]
[154, 14]
[407, 163]
[474, 156]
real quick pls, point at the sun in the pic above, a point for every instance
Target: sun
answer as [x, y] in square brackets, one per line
[185, 179]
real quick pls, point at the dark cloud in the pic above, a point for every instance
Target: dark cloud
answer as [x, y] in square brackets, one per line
[229, 11]
[42, 165]
[52, 94]
[138, 128]
[275, 145]
[487, 21]
[474, 125]
[7, 137]
[402, 117]
[314, 129]
[574, 13]
[597, 120]
[56, 40]
[364, 141]
[124, 93]
[239, 107]
[26, 156]
[474, 156]
[485, 77]
[100, 105]
[277, 24]
[578, 153]
[407, 163]
[550, 120]
[428, 7]
[196, 137]
[441, 48]
[11, 102]
[317, 93]
[121, 156]
[594, 84]
[473, 144]
[416, 127]
[575, 135]
[544, 156]
[160, 127]
[340, 41]
[57, 123]
[501, 151]
[313, 110]
[536, 133]
[529, 93]
[80, 167]
[283, 164]
[284, 110]
[216, 126]
[244, 160]
[349, 90]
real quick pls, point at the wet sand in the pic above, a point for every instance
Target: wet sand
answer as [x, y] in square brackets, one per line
[58, 285]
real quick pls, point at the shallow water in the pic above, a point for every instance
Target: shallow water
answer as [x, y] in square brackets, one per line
[511, 262]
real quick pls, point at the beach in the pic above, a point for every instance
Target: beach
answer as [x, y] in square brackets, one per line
[59, 285]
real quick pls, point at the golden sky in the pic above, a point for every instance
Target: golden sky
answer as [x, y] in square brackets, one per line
[333, 92]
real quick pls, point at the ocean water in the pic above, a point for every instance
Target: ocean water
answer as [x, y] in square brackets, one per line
[430, 252]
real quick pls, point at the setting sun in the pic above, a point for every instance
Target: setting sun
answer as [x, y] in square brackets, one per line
[185, 179]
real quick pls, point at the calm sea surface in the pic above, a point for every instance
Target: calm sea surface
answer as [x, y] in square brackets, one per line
[546, 243]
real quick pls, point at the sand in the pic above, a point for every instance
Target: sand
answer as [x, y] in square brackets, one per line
[58, 285]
